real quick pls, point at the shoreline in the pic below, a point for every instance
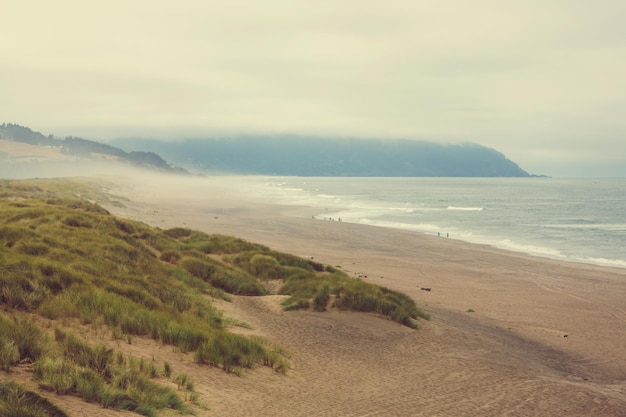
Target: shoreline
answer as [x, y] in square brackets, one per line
[512, 247]
[552, 331]
[441, 215]
[603, 262]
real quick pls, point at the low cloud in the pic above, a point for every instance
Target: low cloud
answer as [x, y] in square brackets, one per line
[497, 73]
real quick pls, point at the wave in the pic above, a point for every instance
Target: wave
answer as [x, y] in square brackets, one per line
[618, 263]
[556, 254]
[600, 226]
[529, 249]
[327, 196]
[415, 227]
[466, 208]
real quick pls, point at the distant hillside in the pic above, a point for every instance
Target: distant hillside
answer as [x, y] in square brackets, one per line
[309, 156]
[83, 148]
[287, 155]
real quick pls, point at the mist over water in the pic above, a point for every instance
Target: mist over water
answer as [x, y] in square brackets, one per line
[581, 220]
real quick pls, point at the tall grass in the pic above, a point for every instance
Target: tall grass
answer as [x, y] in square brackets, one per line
[97, 358]
[267, 264]
[221, 276]
[98, 375]
[9, 353]
[234, 353]
[20, 340]
[350, 294]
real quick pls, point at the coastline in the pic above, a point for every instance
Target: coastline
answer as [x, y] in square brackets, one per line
[509, 331]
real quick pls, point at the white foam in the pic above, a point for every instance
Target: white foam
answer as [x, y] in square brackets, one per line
[618, 263]
[466, 208]
[327, 196]
[414, 227]
[530, 249]
[600, 226]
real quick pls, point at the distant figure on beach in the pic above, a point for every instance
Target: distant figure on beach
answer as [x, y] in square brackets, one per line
[438, 234]
[447, 234]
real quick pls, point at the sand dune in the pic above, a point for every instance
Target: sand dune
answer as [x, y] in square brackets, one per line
[510, 335]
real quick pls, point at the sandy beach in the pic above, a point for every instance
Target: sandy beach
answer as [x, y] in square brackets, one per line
[510, 334]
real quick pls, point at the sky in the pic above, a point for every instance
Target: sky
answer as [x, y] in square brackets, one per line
[542, 81]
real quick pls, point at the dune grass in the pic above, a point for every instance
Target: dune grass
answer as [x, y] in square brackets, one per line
[99, 375]
[351, 294]
[65, 258]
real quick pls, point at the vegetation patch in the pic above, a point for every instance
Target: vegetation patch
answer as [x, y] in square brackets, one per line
[352, 294]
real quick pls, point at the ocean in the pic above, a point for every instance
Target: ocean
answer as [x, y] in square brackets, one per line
[580, 220]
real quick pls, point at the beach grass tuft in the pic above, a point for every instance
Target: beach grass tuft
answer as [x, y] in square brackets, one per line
[351, 294]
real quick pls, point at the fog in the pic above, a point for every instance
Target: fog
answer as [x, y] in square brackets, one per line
[99, 169]
[540, 81]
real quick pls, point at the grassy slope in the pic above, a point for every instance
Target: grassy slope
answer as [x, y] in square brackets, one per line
[64, 258]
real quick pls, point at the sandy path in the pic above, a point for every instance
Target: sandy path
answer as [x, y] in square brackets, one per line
[544, 337]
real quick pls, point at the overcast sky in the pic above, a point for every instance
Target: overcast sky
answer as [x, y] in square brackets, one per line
[542, 81]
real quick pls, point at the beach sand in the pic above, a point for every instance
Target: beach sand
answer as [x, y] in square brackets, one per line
[510, 334]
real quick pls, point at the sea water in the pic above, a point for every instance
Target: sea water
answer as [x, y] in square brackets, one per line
[582, 220]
